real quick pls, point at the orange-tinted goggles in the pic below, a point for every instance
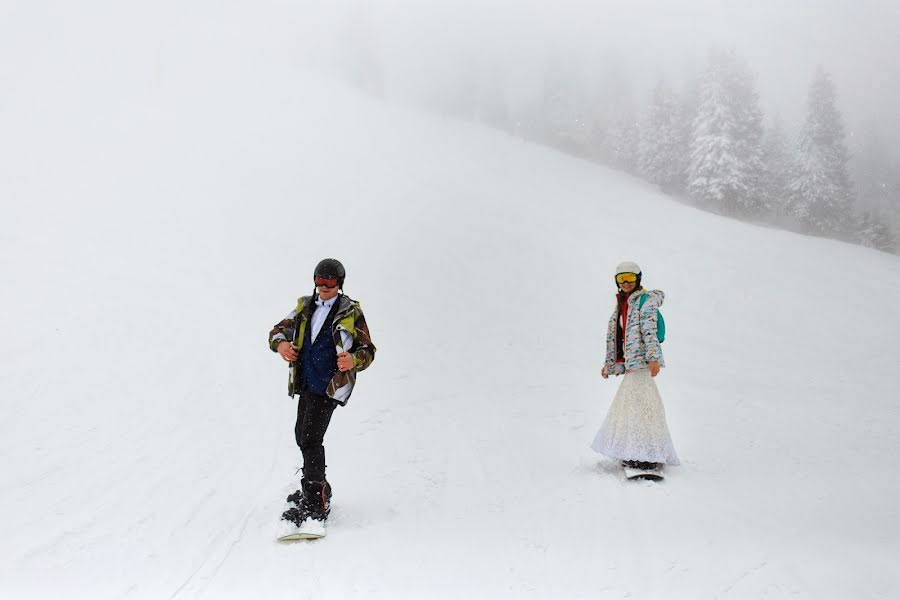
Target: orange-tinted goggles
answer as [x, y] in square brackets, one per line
[626, 278]
[329, 283]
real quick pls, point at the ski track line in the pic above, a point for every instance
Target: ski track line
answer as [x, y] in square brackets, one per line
[231, 547]
[202, 565]
[746, 574]
[240, 536]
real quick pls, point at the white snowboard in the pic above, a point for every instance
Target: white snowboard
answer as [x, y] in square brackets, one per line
[649, 474]
[310, 529]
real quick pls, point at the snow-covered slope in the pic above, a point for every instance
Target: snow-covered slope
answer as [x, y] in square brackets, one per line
[154, 230]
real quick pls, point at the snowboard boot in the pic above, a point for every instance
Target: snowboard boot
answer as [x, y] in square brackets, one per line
[297, 498]
[295, 515]
[643, 466]
[300, 510]
[317, 499]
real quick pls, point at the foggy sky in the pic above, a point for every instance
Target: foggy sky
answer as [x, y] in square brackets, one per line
[423, 44]
[424, 47]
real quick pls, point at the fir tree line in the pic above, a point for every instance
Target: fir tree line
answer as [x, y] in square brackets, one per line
[710, 145]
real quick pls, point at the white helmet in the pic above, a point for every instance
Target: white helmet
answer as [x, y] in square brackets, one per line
[628, 267]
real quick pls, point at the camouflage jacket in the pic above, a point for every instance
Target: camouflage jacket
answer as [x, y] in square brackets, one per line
[641, 344]
[349, 319]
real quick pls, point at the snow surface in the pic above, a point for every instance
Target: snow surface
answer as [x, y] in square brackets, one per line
[158, 220]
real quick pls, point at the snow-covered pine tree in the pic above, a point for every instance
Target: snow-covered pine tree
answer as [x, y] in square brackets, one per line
[726, 167]
[820, 190]
[776, 161]
[565, 125]
[750, 136]
[614, 128]
[873, 232]
[625, 136]
[684, 130]
[876, 170]
[616, 140]
[714, 171]
[659, 151]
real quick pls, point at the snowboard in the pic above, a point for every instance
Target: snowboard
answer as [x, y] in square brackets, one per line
[648, 474]
[301, 536]
[309, 529]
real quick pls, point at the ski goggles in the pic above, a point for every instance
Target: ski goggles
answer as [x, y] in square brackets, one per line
[626, 278]
[325, 281]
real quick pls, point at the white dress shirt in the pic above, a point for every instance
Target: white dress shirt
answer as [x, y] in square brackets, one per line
[318, 318]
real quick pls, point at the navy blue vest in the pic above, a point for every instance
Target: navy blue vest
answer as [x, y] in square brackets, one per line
[319, 357]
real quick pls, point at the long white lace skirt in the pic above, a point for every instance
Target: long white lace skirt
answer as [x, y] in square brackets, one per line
[635, 427]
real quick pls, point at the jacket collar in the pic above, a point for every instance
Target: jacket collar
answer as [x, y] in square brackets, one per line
[327, 303]
[344, 306]
[630, 298]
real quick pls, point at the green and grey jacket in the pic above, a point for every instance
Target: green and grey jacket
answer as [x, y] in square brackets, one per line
[350, 334]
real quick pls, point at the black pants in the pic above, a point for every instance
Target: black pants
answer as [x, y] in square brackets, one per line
[313, 416]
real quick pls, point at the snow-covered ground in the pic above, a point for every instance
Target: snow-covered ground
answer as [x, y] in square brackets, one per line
[163, 207]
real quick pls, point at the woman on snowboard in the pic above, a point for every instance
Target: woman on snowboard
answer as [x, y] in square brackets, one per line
[635, 429]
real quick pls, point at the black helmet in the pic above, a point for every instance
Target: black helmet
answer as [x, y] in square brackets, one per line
[330, 268]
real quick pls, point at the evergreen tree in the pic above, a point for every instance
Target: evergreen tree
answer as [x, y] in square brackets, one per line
[776, 163]
[622, 141]
[876, 170]
[749, 140]
[659, 150]
[820, 191]
[872, 232]
[684, 132]
[614, 128]
[726, 167]
[565, 125]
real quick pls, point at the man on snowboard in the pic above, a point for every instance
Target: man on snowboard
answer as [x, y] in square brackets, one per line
[326, 341]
